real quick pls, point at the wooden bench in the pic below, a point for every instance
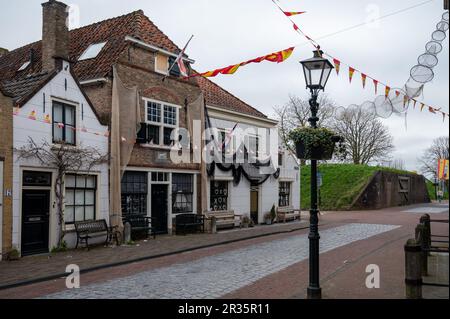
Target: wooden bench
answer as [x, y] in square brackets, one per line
[287, 213]
[140, 225]
[225, 218]
[189, 223]
[86, 230]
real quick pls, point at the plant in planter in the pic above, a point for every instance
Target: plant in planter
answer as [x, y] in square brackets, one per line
[246, 221]
[268, 218]
[13, 254]
[314, 144]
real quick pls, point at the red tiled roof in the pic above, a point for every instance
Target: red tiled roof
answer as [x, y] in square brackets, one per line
[219, 97]
[112, 31]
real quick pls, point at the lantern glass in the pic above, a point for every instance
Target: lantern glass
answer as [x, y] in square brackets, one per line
[317, 70]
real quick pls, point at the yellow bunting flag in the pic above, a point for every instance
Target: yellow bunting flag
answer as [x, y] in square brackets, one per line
[351, 71]
[405, 100]
[386, 92]
[47, 119]
[290, 14]
[32, 115]
[363, 78]
[443, 169]
[337, 65]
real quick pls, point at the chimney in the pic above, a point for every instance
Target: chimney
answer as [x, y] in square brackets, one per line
[55, 35]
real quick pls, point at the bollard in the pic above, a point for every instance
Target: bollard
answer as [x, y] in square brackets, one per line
[421, 238]
[213, 225]
[413, 273]
[426, 221]
[127, 233]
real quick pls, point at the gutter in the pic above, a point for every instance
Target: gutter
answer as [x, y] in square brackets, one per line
[153, 48]
[94, 81]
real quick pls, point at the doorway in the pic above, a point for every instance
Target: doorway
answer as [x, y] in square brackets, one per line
[35, 221]
[254, 203]
[159, 207]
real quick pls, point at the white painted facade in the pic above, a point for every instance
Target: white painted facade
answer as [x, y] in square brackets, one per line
[62, 88]
[239, 197]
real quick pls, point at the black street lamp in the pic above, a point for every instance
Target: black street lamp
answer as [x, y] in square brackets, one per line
[317, 70]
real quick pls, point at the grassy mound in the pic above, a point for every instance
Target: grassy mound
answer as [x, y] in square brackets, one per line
[432, 191]
[342, 183]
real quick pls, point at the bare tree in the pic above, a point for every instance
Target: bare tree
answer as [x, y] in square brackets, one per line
[397, 163]
[66, 159]
[366, 139]
[440, 149]
[296, 113]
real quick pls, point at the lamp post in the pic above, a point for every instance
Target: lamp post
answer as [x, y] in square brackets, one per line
[317, 71]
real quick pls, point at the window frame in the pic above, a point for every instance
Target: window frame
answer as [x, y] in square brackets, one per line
[211, 195]
[187, 194]
[161, 124]
[288, 194]
[74, 189]
[140, 196]
[74, 125]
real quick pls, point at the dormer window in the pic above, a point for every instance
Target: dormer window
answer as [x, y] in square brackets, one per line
[24, 66]
[92, 51]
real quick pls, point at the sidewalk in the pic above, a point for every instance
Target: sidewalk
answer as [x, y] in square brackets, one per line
[437, 274]
[51, 266]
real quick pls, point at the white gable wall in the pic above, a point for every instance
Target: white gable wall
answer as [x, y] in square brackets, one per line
[24, 128]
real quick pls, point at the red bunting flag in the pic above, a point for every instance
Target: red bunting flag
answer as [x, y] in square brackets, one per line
[290, 14]
[397, 93]
[351, 71]
[337, 65]
[277, 57]
[386, 92]
[432, 110]
[375, 83]
[364, 78]
[296, 28]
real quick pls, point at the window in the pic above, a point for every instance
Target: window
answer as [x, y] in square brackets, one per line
[80, 198]
[63, 123]
[182, 193]
[162, 119]
[92, 51]
[284, 194]
[219, 195]
[134, 193]
[280, 159]
[31, 178]
[162, 63]
[160, 177]
[24, 66]
[175, 71]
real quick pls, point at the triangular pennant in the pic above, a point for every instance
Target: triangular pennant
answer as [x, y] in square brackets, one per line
[47, 119]
[397, 93]
[421, 107]
[351, 71]
[32, 115]
[290, 14]
[375, 83]
[337, 65]
[405, 100]
[386, 91]
[431, 110]
[415, 102]
[363, 78]
[296, 28]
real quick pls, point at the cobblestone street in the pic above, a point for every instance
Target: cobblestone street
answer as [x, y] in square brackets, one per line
[215, 276]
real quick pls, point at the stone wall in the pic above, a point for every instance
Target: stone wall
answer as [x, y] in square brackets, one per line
[6, 155]
[384, 190]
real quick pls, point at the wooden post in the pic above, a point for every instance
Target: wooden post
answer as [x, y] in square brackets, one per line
[213, 225]
[413, 273]
[421, 240]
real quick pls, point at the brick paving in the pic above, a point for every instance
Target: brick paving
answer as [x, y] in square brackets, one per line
[34, 267]
[217, 275]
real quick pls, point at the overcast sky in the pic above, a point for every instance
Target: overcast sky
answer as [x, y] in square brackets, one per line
[231, 31]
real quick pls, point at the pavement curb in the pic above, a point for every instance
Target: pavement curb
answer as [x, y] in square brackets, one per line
[130, 261]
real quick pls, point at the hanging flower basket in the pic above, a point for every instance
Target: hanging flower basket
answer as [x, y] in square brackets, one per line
[314, 144]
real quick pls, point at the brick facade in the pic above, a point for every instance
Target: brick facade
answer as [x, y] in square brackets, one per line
[6, 155]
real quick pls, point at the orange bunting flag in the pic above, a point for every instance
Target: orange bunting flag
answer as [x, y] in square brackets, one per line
[421, 106]
[386, 92]
[277, 57]
[375, 83]
[16, 110]
[430, 109]
[32, 115]
[351, 71]
[290, 14]
[337, 65]
[47, 119]
[364, 78]
[405, 100]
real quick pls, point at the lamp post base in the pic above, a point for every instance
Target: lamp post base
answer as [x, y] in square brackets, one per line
[314, 293]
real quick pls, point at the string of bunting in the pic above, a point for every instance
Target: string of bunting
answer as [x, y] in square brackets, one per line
[364, 76]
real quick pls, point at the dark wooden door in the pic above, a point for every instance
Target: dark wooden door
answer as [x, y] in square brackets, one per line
[159, 208]
[35, 221]
[254, 199]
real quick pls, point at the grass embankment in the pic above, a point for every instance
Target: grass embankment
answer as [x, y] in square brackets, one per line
[432, 191]
[342, 183]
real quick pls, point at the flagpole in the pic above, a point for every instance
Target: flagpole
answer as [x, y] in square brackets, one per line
[180, 56]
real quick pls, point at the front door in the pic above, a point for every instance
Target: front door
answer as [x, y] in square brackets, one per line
[254, 209]
[159, 208]
[35, 221]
